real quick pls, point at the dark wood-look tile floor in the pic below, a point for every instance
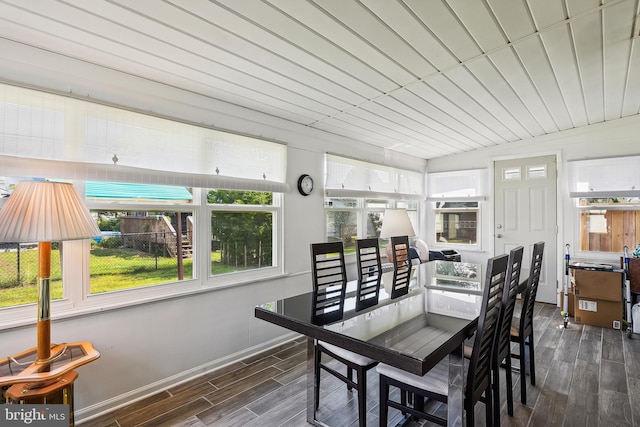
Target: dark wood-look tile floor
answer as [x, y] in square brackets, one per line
[585, 376]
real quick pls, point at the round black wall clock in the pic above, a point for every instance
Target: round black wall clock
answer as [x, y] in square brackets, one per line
[305, 184]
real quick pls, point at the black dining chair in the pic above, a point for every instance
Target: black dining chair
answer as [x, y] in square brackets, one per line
[401, 266]
[369, 273]
[502, 345]
[434, 385]
[329, 285]
[522, 328]
[502, 352]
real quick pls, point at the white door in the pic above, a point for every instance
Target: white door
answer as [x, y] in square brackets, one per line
[525, 213]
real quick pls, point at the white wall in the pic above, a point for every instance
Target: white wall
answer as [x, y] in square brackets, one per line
[154, 345]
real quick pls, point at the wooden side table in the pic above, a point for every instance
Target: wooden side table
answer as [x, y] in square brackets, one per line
[59, 391]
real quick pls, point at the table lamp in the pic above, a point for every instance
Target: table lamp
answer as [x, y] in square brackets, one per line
[396, 222]
[45, 212]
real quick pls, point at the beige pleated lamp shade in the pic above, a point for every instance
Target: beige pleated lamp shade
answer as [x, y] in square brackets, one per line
[43, 211]
[396, 222]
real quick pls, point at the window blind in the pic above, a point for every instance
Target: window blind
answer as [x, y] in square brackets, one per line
[461, 185]
[604, 178]
[346, 177]
[81, 138]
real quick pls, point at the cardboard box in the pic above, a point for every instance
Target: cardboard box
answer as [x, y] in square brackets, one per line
[600, 285]
[606, 314]
[570, 306]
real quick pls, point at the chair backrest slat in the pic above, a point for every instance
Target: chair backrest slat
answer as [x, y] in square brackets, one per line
[369, 273]
[329, 277]
[401, 266]
[479, 376]
[528, 302]
[512, 283]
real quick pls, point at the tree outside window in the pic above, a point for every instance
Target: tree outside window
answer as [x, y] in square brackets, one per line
[242, 237]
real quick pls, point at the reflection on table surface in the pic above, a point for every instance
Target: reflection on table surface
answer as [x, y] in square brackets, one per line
[461, 276]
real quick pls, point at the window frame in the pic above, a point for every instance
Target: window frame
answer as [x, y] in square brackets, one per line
[253, 274]
[580, 209]
[362, 211]
[464, 246]
[467, 185]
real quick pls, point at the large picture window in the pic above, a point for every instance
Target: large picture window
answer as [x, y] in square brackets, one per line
[350, 219]
[169, 198]
[607, 194]
[358, 193]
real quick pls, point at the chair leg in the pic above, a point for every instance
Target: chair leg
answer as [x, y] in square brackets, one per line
[496, 390]
[489, 408]
[316, 374]
[350, 376]
[509, 386]
[361, 375]
[523, 373]
[471, 422]
[532, 360]
[384, 396]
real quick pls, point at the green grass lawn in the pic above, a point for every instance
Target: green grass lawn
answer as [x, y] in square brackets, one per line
[111, 270]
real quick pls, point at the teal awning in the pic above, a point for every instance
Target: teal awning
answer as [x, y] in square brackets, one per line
[122, 190]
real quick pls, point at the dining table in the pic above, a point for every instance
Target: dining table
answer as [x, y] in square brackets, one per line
[409, 332]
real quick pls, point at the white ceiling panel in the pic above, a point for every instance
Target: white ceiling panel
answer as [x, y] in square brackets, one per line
[423, 99]
[489, 110]
[558, 44]
[514, 17]
[422, 77]
[587, 36]
[363, 23]
[389, 109]
[533, 57]
[577, 7]
[510, 67]
[546, 13]
[617, 46]
[487, 73]
[438, 17]
[480, 22]
[631, 103]
[448, 97]
[413, 31]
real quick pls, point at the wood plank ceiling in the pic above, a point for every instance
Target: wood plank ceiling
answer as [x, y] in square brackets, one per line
[423, 77]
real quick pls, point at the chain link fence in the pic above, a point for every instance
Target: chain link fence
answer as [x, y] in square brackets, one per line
[136, 253]
[112, 253]
[19, 265]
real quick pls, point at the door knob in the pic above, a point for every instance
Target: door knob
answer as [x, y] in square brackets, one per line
[498, 236]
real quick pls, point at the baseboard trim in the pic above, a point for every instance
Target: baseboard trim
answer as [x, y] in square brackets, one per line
[104, 407]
